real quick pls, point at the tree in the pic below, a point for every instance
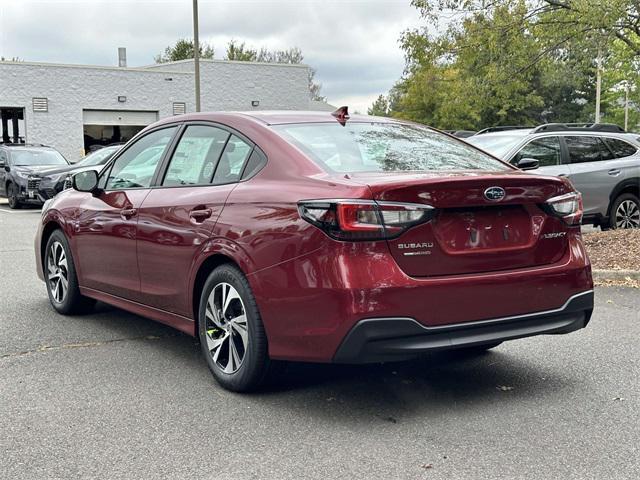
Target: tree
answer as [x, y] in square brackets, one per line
[239, 52]
[496, 63]
[183, 50]
[380, 107]
[293, 56]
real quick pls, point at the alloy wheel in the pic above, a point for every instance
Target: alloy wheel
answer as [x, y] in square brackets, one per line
[628, 215]
[58, 272]
[226, 328]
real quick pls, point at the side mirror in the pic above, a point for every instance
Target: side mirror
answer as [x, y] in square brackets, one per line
[85, 181]
[528, 164]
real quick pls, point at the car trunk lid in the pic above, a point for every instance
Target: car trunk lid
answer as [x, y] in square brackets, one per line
[471, 232]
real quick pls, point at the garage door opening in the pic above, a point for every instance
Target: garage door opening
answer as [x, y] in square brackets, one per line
[106, 127]
[12, 125]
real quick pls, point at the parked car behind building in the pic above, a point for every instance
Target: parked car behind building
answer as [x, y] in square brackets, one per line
[601, 160]
[20, 171]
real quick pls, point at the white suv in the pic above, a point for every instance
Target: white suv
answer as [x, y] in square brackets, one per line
[601, 160]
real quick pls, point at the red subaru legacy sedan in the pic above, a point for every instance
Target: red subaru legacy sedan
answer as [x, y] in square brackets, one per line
[317, 237]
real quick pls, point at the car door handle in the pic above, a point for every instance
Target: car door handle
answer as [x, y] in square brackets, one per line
[563, 175]
[127, 213]
[200, 215]
[614, 172]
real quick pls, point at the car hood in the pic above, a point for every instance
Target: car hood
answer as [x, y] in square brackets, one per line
[37, 169]
[71, 170]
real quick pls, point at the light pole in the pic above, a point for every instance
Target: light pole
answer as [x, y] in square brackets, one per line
[196, 53]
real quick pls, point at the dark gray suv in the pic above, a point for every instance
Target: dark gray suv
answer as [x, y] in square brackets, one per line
[20, 171]
[601, 160]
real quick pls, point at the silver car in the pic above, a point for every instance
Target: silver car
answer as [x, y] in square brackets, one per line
[601, 160]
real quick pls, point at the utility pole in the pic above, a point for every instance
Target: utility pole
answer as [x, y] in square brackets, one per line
[196, 53]
[598, 84]
[626, 105]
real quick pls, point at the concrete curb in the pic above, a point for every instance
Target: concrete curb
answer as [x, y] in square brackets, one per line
[601, 275]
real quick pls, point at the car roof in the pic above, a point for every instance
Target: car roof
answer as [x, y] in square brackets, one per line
[280, 117]
[524, 132]
[28, 146]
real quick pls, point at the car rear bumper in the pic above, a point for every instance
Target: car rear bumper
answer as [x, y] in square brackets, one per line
[388, 339]
[311, 304]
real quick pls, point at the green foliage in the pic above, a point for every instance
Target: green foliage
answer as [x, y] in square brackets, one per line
[183, 50]
[380, 107]
[516, 62]
[239, 52]
[293, 56]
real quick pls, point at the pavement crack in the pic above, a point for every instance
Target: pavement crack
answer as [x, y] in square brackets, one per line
[69, 346]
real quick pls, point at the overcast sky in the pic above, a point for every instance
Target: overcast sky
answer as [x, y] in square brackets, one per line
[353, 44]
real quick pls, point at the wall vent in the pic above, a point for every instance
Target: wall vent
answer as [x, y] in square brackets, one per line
[40, 104]
[179, 108]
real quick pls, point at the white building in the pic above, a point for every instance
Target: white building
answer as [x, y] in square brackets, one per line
[72, 107]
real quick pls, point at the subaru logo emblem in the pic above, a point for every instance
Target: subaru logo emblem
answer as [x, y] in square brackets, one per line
[494, 194]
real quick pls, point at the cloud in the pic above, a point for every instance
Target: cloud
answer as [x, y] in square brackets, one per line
[352, 44]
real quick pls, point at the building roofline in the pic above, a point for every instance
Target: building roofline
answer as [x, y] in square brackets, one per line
[154, 66]
[95, 67]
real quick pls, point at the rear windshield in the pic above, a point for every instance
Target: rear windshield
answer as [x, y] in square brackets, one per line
[384, 147]
[497, 145]
[37, 157]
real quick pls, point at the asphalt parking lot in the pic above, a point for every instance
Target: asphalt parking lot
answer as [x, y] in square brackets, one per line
[112, 395]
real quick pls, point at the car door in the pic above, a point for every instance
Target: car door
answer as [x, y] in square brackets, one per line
[177, 217]
[548, 152]
[105, 229]
[626, 165]
[590, 163]
[4, 164]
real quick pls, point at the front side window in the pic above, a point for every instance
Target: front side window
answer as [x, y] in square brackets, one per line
[196, 156]
[587, 149]
[545, 150]
[232, 160]
[384, 147]
[620, 148]
[137, 165]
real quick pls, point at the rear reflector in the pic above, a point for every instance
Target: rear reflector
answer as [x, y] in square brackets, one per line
[363, 219]
[568, 207]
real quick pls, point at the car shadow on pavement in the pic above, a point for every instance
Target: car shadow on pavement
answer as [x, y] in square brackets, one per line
[432, 385]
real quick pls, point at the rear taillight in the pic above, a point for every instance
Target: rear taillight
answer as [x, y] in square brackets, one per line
[567, 206]
[363, 219]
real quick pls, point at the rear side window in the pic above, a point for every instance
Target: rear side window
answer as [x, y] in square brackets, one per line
[384, 147]
[620, 148]
[587, 149]
[232, 160]
[257, 160]
[545, 150]
[196, 156]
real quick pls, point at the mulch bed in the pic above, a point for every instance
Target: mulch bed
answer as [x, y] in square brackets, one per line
[614, 250]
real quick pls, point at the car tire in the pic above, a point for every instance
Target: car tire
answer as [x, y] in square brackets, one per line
[625, 212]
[61, 278]
[231, 333]
[12, 196]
